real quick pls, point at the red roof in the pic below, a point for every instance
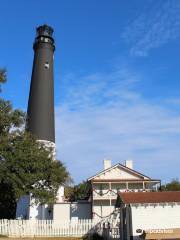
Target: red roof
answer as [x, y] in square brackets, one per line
[150, 197]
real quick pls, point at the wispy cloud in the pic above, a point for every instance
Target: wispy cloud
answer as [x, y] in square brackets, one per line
[158, 23]
[105, 116]
[98, 88]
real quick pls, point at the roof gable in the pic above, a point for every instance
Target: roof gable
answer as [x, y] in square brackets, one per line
[120, 172]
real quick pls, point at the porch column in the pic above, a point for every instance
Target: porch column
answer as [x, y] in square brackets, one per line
[92, 201]
[110, 195]
[109, 185]
[156, 187]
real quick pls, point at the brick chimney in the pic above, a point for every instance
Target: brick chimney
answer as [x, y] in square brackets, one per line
[107, 164]
[129, 164]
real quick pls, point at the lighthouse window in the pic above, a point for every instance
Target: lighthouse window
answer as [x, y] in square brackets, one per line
[46, 65]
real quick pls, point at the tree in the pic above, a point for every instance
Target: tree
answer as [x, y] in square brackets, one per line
[10, 119]
[26, 166]
[3, 75]
[174, 185]
[81, 191]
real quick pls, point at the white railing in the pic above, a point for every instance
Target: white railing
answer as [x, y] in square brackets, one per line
[46, 228]
[106, 194]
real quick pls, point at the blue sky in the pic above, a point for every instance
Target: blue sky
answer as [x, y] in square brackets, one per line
[117, 88]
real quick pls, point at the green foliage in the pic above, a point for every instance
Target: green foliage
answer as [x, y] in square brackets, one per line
[78, 192]
[7, 201]
[69, 193]
[82, 191]
[26, 166]
[3, 76]
[9, 118]
[174, 185]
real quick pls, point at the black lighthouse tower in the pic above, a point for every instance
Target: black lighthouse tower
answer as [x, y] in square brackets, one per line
[40, 114]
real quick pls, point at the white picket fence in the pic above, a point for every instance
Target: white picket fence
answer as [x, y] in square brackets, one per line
[46, 228]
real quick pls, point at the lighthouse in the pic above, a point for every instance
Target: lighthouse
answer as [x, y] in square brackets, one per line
[40, 113]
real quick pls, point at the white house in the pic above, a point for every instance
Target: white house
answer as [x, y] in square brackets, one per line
[28, 209]
[61, 210]
[105, 186]
[113, 179]
[151, 212]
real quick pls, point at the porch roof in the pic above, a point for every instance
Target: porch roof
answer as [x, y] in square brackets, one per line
[125, 180]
